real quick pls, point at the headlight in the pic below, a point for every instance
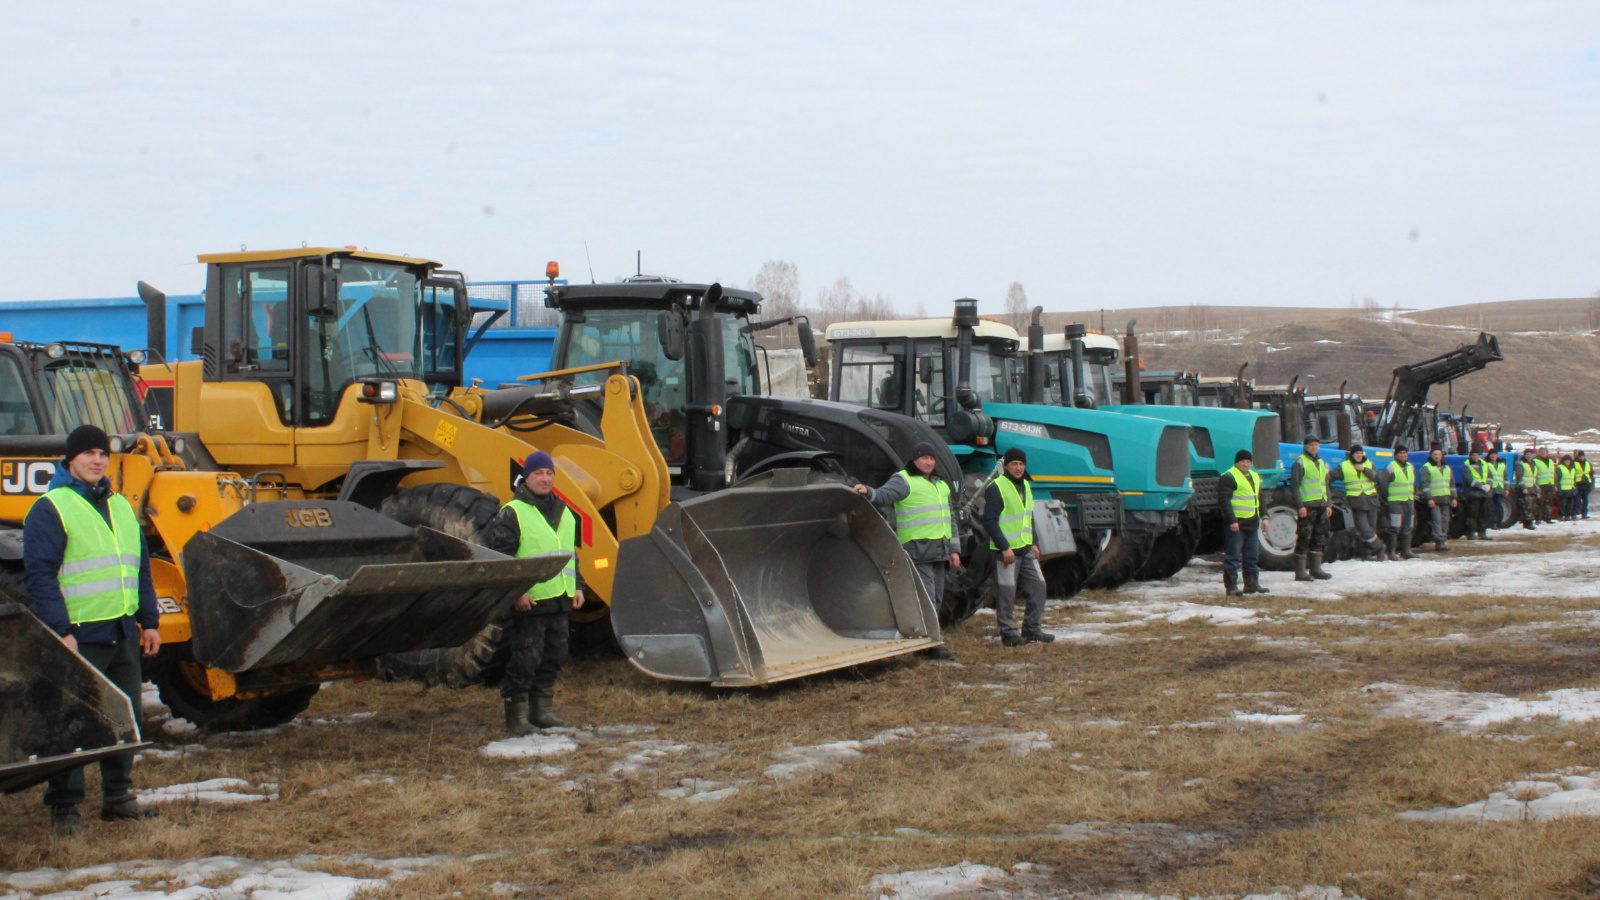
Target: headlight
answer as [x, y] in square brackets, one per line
[117, 443]
[137, 357]
[55, 351]
[178, 445]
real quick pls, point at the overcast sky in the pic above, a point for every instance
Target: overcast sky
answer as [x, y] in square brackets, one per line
[1102, 154]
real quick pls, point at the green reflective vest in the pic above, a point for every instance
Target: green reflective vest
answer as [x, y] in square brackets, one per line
[1313, 479]
[1403, 483]
[1585, 471]
[924, 515]
[1546, 470]
[1566, 478]
[99, 574]
[1440, 480]
[1016, 514]
[1475, 473]
[1356, 482]
[1497, 474]
[1527, 474]
[1246, 499]
[538, 537]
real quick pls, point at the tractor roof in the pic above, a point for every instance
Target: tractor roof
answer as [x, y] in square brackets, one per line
[915, 328]
[249, 256]
[1056, 341]
[653, 292]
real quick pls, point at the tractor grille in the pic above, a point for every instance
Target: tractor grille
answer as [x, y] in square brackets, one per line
[1264, 442]
[1206, 493]
[1172, 456]
[1099, 510]
[1201, 438]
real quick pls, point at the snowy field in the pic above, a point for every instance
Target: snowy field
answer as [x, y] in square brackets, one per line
[1424, 728]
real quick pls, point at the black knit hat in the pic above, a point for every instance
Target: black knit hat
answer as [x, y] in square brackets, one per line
[1015, 454]
[1311, 439]
[921, 449]
[1243, 455]
[85, 438]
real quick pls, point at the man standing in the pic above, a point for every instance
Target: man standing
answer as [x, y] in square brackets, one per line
[1585, 483]
[1438, 484]
[1546, 468]
[1308, 483]
[536, 521]
[1525, 493]
[1008, 519]
[923, 517]
[88, 571]
[1498, 483]
[1240, 504]
[1361, 495]
[1478, 492]
[1566, 487]
[1402, 508]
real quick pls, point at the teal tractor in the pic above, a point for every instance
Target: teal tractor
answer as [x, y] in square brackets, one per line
[1123, 480]
[1083, 365]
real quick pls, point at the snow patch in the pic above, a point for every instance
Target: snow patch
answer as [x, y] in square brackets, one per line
[928, 883]
[215, 790]
[1573, 792]
[1277, 720]
[246, 879]
[533, 745]
[1464, 711]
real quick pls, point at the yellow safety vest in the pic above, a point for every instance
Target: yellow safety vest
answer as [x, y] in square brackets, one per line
[538, 537]
[99, 574]
[1016, 514]
[1497, 474]
[1475, 474]
[1356, 482]
[924, 514]
[1527, 474]
[1404, 486]
[1313, 479]
[1246, 499]
[1566, 478]
[1546, 470]
[1440, 480]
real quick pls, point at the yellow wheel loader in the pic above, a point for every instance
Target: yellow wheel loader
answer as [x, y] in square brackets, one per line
[328, 373]
[263, 596]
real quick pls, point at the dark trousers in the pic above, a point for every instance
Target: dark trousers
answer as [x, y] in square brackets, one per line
[1547, 502]
[1477, 514]
[1583, 499]
[1498, 511]
[1439, 515]
[1311, 531]
[537, 640]
[120, 663]
[1239, 546]
[933, 574]
[1401, 515]
[1527, 499]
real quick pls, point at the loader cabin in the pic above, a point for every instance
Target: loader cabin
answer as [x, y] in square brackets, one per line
[311, 322]
[910, 367]
[50, 389]
[1100, 356]
[636, 321]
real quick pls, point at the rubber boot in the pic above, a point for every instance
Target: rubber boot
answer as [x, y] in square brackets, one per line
[1484, 536]
[1038, 636]
[1300, 568]
[1230, 583]
[125, 808]
[65, 821]
[1376, 549]
[1252, 584]
[1405, 547]
[517, 723]
[1388, 548]
[542, 715]
[1440, 546]
[1316, 568]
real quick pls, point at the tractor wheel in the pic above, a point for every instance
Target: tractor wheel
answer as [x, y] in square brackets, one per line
[232, 713]
[969, 588]
[1122, 556]
[465, 513]
[1064, 576]
[1278, 527]
[1172, 549]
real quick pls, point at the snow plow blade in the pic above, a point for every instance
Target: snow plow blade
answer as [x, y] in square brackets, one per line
[57, 712]
[320, 581]
[748, 586]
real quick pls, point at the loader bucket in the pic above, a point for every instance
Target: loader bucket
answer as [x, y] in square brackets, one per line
[320, 581]
[57, 712]
[753, 585]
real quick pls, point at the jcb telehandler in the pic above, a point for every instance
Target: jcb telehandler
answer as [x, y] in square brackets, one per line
[262, 597]
[337, 373]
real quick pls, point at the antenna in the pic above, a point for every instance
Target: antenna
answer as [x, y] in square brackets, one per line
[638, 262]
[589, 261]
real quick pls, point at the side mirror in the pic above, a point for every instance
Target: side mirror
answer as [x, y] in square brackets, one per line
[320, 286]
[197, 341]
[670, 331]
[925, 369]
[808, 341]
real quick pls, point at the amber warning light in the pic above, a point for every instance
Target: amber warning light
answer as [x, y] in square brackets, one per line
[552, 270]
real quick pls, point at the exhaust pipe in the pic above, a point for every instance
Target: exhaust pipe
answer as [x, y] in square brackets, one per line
[1341, 421]
[1033, 389]
[1132, 391]
[155, 318]
[1292, 421]
[708, 388]
[1081, 397]
[965, 319]
[1241, 397]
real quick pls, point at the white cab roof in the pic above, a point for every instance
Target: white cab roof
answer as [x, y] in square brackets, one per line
[1055, 341]
[915, 328]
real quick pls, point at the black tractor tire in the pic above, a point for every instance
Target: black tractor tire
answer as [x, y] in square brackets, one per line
[1064, 576]
[971, 587]
[466, 513]
[1121, 557]
[1508, 512]
[232, 713]
[1172, 549]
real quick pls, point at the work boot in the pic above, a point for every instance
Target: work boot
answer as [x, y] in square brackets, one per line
[121, 809]
[65, 821]
[1376, 551]
[1300, 568]
[1230, 583]
[1405, 547]
[1038, 636]
[542, 715]
[1252, 584]
[1529, 526]
[1388, 548]
[1012, 640]
[1316, 568]
[1440, 546]
[1484, 536]
[517, 723]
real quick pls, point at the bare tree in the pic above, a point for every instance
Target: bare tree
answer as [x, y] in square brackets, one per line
[778, 282]
[1017, 306]
[841, 302]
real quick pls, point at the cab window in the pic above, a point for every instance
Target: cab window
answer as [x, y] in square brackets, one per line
[872, 375]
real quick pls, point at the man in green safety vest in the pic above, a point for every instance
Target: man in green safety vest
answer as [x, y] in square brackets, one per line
[1525, 489]
[537, 520]
[1546, 468]
[1477, 494]
[1499, 484]
[1436, 482]
[1308, 484]
[1585, 482]
[87, 570]
[1008, 519]
[1239, 501]
[1566, 487]
[1400, 501]
[924, 517]
[1360, 482]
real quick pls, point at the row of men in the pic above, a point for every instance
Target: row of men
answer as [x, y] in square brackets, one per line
[1542, 489]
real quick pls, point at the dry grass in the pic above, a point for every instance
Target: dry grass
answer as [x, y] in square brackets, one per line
[1142, 740]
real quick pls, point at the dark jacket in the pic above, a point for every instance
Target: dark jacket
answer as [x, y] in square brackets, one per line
[992, 504]
[894, 490]
[505, 536]
[44, 545]
[1225, 505]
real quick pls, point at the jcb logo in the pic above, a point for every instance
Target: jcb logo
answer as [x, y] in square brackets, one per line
[310, 517]
[26, 476]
